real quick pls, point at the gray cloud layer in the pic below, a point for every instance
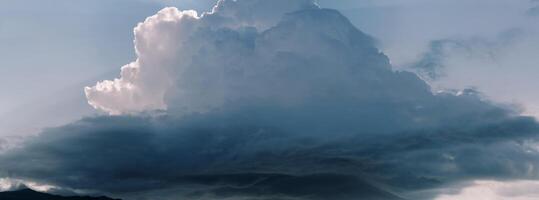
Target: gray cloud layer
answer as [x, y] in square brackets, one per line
[239, 153]
[261, 106]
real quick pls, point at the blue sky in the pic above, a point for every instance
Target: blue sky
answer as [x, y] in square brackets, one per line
[52, 50]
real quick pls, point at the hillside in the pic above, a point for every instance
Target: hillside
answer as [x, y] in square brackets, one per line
[28, 194]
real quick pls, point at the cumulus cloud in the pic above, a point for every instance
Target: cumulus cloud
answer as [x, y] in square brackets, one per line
[288, 101]
[128, 93]
[170, 44]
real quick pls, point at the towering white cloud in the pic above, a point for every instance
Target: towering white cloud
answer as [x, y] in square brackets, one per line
[143, 83]
[169, 45]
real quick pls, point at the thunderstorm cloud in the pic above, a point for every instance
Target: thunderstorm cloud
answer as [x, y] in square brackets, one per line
[278, 99]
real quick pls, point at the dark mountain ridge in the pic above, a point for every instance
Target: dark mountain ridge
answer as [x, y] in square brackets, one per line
[28, 194]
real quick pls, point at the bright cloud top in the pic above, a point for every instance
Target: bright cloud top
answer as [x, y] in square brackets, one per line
[167, 45]
[143, 83]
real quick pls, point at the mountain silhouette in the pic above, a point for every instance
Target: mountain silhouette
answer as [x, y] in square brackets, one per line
[28, 194]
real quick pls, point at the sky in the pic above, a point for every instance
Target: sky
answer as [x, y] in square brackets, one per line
[435, 83]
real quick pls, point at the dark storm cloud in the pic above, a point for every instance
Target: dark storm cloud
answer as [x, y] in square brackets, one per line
[215, 156]
[127, 154]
